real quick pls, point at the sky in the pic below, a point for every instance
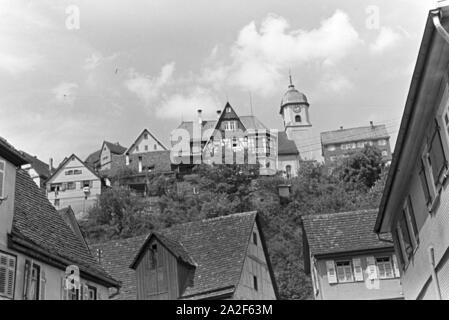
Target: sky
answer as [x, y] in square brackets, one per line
[75, 73]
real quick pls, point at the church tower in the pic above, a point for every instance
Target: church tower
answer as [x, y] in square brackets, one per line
[295, 113]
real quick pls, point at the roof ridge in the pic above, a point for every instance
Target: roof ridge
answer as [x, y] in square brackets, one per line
[324, 215]
[361, 127]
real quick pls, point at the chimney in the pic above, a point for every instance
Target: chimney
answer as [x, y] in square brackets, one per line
[50, 164]
[371, 124]
[200, 120]
[218, 114]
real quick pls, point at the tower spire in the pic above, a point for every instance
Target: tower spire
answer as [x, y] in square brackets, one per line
[290, 77]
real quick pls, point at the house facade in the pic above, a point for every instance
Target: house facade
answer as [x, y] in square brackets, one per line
[346, 260]
[108, 152]
[340, 144]
[36, 245]
[415, 202]
[74, 184]
[219, 258]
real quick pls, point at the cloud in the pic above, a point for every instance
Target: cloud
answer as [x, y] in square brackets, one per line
[65, 92]
[386, 39]
[16, 64]
[336, 83]
[260, 57]
[148, 88]
[185, 105]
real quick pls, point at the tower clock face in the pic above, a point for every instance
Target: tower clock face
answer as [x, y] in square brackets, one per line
[297, 109]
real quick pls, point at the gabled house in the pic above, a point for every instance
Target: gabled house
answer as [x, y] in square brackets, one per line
[38, 170]
[415, 202]
[219, 258]
[346, 259]
[74, 184]
[338, 145]
[230, 139]
[108, 152]
[37, 247]
[146, 142]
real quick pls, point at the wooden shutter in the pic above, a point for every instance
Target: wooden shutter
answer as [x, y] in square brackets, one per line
[331, 274]
[27, 279]
[436, 155]
[7, 275]
[42, 285]
[358, 271]
[397, 273]
[424, 183]
[371, 268]
[63, 290]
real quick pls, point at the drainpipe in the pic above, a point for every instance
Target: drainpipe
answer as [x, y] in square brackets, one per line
[436, 16]
[434, 273]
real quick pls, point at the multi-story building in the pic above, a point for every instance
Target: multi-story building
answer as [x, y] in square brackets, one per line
[347, 260]
[415, 202]
[37, 246]
[246, 140]
[74, 184]
[219, 258]
[109, 151]
[340, 144]
[38, 170]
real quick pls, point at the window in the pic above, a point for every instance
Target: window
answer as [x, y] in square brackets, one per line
[73, 294]
[298, 118]
[2, 178]
[7, 275]
[424, 183]
[145, 136]
[91, 293]
[71, 185]
[35, 282]
[87, 184]
[255, 238]
[344, 271]
[230, 125]
[407, 233]
[384, 268]
[56, 203]
[288, 170]
[360, 144]
[256, 286]
[69, 172]
[153, 257]
[77, 171]
[436, 158]
[146, 148]
[155, 147]
[228, 109]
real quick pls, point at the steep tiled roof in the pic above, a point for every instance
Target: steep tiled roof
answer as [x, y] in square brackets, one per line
[93, 159]
[157, 161]
[42, 169]
[342, 232]
[36, 223]
[354, 134]
[115, 148]
[216, 246]
[286, 146]
[10, 153]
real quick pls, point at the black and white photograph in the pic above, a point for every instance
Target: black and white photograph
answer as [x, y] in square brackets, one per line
[240, 151]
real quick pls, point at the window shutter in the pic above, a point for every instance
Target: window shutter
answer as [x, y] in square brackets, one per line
[358, 271]
[42, 285]
[436, 154]
[26, 279]
[424, 184]
[372, 268]
[331, 275]
[397, 273]
[63, 290]
[3, 274]
[85, 292]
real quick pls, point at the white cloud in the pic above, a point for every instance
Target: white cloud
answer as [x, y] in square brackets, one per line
[65, 92]
[15, 64]
[186, 105]
[260, 57]
[336, 83]
[386, 39]
[147, 88]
